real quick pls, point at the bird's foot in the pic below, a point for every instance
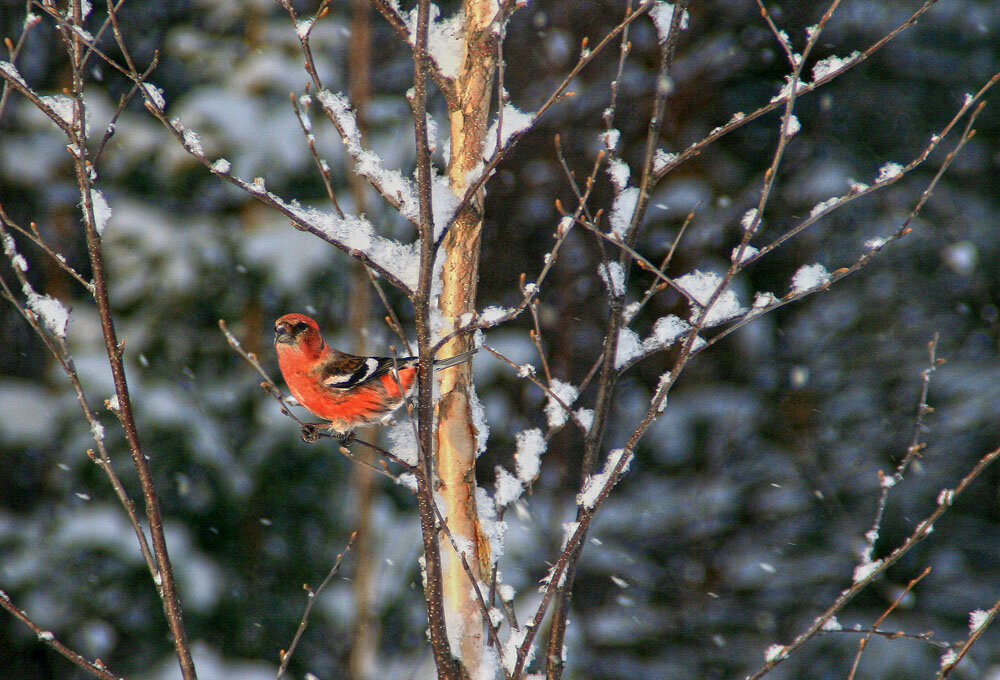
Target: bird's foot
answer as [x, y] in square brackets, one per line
[310, 432]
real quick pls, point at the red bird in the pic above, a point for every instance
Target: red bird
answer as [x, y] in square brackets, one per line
[348, 390]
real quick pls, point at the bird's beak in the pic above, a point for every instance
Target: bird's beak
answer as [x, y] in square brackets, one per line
[283, 334]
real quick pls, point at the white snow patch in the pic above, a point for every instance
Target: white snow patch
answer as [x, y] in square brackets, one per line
[404, 443]
[155, 94]
[62, 106]
[303, 27]
[514, 121]
[619, 173]
[506, 592]
[748, 252]
[978, 619]
[511, 646]
[409, 480]
[444, 38]
[888, 172]
[622, 210]
[793, 126]
[832, 624]
[662, 159]
[866, 569]
[662, 15]
[478, 414]
[809, 277]
[102, 211]
[666, 330]
[786, 89]
[221, 166]
[367, 163]
[507, 488]
[531, 445]
[495, 530]
[774, 653]
[493, 314]
[191, 139]
[610, 139]
[762, 300]
[12, 71]
[701, 286]
[823, 206]
[748, 218]
[629, 347]
[53, 314]
[613, 276]
[555, 414]
[831, 64]
[357, 233]
[595, 484]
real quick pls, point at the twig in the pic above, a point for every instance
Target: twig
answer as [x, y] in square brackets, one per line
[888, 483]
[739, 121]
[863, 642]
[977, 629]
[95, 667]
[311, 596]
[922, 530]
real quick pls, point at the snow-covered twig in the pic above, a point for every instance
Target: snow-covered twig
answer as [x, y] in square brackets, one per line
[922, 530]
[979, 621]
[741, 119]
[863, 642]
[888, 482]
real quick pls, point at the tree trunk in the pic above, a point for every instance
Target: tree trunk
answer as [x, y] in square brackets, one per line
[456, 435]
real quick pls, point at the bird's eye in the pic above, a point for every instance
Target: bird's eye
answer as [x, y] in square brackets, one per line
[300, 326]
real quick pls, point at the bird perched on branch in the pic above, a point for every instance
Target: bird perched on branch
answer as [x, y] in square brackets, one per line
[348, 390]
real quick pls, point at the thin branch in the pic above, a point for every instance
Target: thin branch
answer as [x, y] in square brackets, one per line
[977, 629]
[163, 576]
[739, 120]
[311, 596]
[863, 642]
[922, 530]
[888, 483]
[95, 667]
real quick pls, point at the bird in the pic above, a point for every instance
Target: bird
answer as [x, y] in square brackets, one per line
[346, 390]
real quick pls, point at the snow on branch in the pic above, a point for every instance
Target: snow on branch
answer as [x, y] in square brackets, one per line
[701, 286]
[598, 483]
[356, 235]
[400, 192]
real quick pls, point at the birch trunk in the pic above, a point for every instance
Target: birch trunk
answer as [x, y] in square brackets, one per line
[456, 435]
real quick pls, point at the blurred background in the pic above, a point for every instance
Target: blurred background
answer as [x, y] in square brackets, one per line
[742, 517]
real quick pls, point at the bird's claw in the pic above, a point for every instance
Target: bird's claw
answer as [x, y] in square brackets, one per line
[310, 432]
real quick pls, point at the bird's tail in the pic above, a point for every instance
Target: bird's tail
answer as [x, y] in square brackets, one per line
[451, 361]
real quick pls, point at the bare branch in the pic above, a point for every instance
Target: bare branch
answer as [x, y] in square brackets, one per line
[95, 667]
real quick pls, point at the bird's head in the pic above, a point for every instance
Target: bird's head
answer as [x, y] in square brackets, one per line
[297, 330]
